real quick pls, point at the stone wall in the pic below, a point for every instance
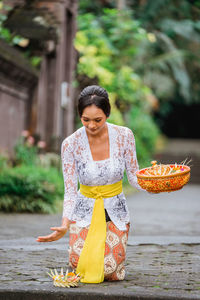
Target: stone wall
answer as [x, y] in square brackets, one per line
[18, 81]
[50, 26]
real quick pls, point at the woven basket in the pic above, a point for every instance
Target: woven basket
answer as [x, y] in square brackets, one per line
[163, 183]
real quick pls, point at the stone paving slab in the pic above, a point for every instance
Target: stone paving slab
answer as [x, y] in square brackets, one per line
[163, 254]
[153, 217]
[153, 271]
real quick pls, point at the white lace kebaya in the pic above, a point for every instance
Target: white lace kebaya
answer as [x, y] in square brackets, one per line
[78, 164]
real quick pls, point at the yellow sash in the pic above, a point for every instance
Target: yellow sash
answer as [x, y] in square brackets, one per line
[91, 261]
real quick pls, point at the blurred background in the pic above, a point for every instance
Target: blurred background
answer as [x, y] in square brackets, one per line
[146, 54]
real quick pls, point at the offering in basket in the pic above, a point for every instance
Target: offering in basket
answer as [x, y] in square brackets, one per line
[68, 280]
[163, 178]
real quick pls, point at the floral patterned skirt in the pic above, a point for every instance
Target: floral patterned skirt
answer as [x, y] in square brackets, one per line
[115, 249]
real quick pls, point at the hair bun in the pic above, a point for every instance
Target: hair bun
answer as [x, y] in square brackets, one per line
[94, 90]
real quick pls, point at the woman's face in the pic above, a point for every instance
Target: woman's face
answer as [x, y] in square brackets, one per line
[94, 119]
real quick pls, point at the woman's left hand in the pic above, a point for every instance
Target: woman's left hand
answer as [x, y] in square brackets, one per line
[58, 233]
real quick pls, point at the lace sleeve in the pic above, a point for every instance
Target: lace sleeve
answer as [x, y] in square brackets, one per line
[70, 179]
[131, 163]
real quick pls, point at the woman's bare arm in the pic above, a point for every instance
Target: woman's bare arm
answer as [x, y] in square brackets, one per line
[58, 232]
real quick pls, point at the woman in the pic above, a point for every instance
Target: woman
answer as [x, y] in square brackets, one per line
[96, 216]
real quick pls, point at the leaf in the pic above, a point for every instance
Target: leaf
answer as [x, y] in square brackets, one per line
[177, 65]
[184, 28]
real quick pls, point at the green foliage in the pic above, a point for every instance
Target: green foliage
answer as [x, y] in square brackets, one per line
[106, 54]
[50, 159]
[25, 153]
[4, 162]
[95, 7]
[169, 53]
[108, 45]
[35, 61]
[146, 134]
[5, 33]
[33, 182]
[14, 39]
[169, 61]
[30, 189]
[176, 26]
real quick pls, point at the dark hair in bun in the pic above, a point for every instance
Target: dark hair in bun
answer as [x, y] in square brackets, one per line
[94, 94]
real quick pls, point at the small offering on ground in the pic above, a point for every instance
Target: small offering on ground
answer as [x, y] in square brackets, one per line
[68, 280]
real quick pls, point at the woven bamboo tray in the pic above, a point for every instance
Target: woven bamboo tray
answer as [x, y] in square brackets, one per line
[176, 177]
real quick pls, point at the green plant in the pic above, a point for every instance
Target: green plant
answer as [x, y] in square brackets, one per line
[15, 39]
[50, 159]
[24, 153]
[171, 63]
[27, 149]
[107, 45]
[33, 182]
[146, 134]
[5, 33]
[30, 189]
[4, 161]
[168, 60]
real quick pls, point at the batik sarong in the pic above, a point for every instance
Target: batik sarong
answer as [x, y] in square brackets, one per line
[115, 249]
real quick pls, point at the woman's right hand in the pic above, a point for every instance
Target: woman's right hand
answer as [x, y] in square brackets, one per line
[58, 233]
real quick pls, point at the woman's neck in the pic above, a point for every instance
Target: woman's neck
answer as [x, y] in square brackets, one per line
[99, 135]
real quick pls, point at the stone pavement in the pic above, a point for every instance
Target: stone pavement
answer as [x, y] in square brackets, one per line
[163, 253]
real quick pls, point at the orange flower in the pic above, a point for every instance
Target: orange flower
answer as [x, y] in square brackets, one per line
[71, 274]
